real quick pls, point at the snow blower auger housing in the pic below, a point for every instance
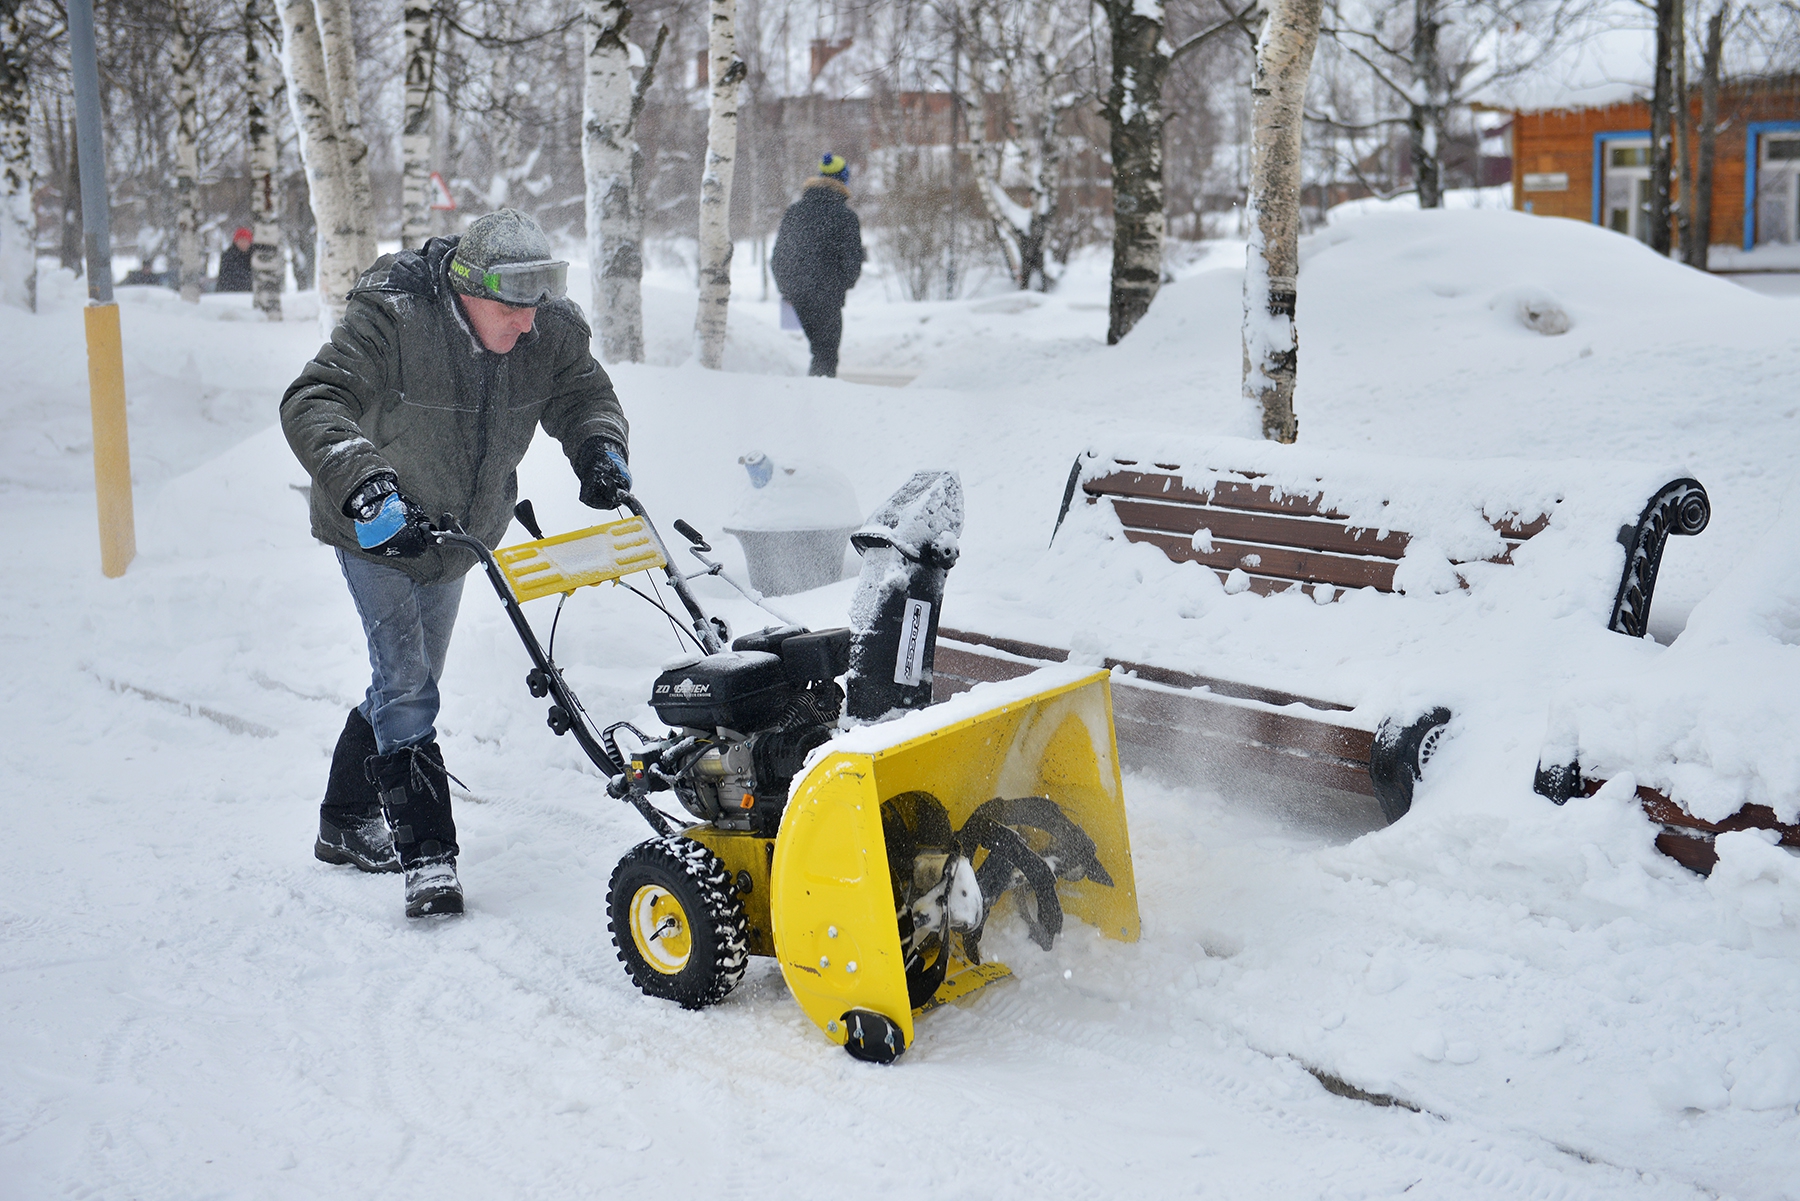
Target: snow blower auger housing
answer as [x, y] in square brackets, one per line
[867, 862]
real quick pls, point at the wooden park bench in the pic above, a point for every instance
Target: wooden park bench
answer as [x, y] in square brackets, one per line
[1264, 539]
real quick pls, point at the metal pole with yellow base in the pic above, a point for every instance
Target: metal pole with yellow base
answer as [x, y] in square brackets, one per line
[106, 362]
[112, 445]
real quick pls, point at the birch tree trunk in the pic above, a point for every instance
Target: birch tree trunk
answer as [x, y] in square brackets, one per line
[261, 152]
[1140, 60]
[337, 38]
[1662, 109]
[1684, 142]
[344, 245]
[1425, 121]
[610, 161]
[1284, 56]
[988, 161]
[18, 219]
[726, 71]
[184, 67]
[1709, 128]
[415, 132]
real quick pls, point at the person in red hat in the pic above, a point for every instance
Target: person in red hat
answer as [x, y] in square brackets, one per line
[234, 263]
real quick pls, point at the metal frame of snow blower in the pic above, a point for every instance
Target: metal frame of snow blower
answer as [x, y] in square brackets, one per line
[567, 716]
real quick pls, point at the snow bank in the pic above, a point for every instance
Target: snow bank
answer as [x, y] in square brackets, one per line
[195, 1006]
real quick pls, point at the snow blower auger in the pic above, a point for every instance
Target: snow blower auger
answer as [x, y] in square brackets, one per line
[867, 862]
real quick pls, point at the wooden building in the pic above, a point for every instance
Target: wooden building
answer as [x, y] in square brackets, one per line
[1593, 164]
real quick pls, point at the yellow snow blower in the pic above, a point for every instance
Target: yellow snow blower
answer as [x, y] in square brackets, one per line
[867, 861]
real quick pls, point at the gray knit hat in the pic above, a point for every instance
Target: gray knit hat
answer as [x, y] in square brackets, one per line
[506, 257]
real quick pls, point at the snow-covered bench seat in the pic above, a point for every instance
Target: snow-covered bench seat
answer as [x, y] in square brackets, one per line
[1209, 575]
[1165, 718]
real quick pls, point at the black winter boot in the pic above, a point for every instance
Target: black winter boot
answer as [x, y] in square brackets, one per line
[415, 794]
[352, 829]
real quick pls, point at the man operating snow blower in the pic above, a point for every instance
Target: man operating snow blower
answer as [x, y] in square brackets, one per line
[420, 407]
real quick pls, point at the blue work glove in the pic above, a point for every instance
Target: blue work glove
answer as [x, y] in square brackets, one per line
[387, 524]
[600, 465]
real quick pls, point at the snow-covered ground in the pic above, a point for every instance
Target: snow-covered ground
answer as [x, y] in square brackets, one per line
[195, 1007]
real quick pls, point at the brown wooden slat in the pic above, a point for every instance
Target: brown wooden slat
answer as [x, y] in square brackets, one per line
[1313, 567]
[1230, 494]
[1181, 710]
[1261, 498]
[1153, 723]
[1693, 851]
[1160, 675]
[1661, 808]
[1143, 743]
[1512, 527]
[1270, 529]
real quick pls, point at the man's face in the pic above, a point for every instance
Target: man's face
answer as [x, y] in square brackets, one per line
[241, 242]
[499, 326]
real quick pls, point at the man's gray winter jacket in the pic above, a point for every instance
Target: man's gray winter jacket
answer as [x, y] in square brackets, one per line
[405, 386]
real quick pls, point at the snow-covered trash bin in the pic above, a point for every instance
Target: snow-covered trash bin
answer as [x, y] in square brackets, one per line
[794, 524]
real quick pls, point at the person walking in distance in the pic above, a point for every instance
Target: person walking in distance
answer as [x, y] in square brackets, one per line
[234, 263]
[422, 404]
[817, 258]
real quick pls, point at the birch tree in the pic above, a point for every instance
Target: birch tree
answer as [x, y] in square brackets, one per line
[184, 70]
[1432, 56]
[1284, 57]
[1669, 48]
[415, 131]
[331, 147]
[1134, 111]
[726, 72]
[18, 220]
[1700, 223]
[262, 154]
[1023, 83]
[611, 162]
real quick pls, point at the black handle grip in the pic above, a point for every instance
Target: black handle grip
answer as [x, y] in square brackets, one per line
[691, 534]
[528, 518]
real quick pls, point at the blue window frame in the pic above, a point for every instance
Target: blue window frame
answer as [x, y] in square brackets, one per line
[1753, 133]
[1600, 141]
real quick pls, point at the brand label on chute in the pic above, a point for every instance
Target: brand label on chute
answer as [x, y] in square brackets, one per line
[909, 665]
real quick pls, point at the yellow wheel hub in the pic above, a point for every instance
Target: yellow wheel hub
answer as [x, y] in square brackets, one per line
[659, 928]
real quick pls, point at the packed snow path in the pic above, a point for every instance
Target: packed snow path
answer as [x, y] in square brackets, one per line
[194, 1007]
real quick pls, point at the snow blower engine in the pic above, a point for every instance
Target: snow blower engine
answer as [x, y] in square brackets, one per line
[867, 861]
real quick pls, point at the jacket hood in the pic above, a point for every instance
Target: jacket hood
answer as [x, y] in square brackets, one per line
[422, 272]
[821, 183]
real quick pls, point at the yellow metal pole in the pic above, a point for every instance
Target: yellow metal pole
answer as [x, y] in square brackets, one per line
[112, 446]
[106, 362]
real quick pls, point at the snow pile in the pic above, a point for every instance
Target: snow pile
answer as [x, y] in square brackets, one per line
[196, 1007]
[791, 495]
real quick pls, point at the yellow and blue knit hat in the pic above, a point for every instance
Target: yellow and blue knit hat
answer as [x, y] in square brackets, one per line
[834, 166]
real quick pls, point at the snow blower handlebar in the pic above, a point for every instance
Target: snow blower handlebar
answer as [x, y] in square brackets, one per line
[567, 716]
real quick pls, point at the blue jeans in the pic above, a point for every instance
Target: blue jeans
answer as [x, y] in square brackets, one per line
[408, 627]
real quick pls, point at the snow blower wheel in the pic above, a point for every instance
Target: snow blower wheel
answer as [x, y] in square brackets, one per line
[677, 922]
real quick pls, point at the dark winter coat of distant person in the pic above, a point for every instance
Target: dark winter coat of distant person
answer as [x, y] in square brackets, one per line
[818, 257]
[234, 263]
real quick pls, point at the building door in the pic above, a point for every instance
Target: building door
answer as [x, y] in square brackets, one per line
[1628, 188]
[1778, 188]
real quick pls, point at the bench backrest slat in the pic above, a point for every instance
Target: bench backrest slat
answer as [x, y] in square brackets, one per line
[1277, 538]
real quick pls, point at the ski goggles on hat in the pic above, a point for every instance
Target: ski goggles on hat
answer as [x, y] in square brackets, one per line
[523, 285]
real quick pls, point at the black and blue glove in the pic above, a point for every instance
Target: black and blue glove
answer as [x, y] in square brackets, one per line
[600, 465]
[387, 524]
